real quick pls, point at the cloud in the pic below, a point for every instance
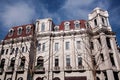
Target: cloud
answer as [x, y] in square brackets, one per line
[17, 14]
[77, 9]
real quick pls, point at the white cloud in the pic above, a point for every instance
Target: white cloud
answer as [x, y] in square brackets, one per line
[17, 14]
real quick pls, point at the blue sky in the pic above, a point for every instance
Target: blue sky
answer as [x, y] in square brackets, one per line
[19, 12]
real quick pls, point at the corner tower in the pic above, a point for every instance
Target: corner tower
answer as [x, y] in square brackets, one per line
[98, 19]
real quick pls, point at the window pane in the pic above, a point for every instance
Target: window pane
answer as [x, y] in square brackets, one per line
[39, 46]
[56, 62]
[56, 46]
[67, 60]
[43, 47]
[67, 45]
[77, 25]
[79, 61]
[43, 27]
[78, 44]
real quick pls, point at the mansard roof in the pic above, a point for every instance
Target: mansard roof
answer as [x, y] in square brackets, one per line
[23, 34]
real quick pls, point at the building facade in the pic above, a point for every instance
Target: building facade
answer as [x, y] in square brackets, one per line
[73, 50]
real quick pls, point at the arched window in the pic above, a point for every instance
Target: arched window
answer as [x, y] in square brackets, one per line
[19, 31]
[95, 22]
[77, 24]
[22, 64]
[2, 63]
[56, 78]
[43, 26]
[40, 61]
[20, 78]
[66, 25]
[12, 62]
[28, 29]
[10, 33]
[103, 20]
[39, 78]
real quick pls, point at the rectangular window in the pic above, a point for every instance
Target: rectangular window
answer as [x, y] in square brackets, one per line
[56, 46]
[67, 45]
[79, 61]
[56, 62]
[43, 47]
[78, 44]
[68, 60]
[112, 59]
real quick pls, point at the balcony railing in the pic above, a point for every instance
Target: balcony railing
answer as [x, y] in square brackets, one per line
[81, 68]
[56, 69]
[68, 69]
[39, 69]
[10, 69]
[20, 69]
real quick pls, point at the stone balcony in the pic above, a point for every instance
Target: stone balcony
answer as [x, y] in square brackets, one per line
[39, 69]
[68, 68]
[56, 69]
[20, 69]
[10, 69]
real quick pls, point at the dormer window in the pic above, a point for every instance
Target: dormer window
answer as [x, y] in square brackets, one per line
[95, 22]
[10, 32]
[19, 31]
[43, 26]
[77, 24]
[66, 25]
[56, 28]
[28, 29]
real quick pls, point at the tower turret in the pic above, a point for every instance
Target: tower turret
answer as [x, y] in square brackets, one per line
[99, 19]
